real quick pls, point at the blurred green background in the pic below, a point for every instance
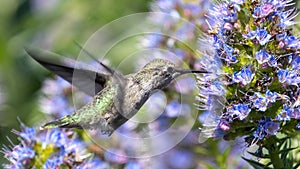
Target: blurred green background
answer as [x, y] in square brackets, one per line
[48, 24]
[51, 25]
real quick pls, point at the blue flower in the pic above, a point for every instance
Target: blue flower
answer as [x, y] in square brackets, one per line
[173, 109]
[250, 35]
[27, 133]
[263, 56]
[272, 61]
[19, 157]
[231, 17]
[266, 127]
[282, 75]
[292, 42]
[285, 113]
[298, 126]
[259, 133]
[57, 138]
[296, 62]
[54, 162]
[230, 58]
[261, 103]
[94, 163]
[293, 78]
[244, 76]
[262, 36]
[271, 96]
[239, 111]
[286, 18]
[53, 149]
[280, 37]
[181, 159]
[132, 165]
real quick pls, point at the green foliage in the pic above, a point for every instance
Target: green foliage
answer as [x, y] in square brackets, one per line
[52, 25]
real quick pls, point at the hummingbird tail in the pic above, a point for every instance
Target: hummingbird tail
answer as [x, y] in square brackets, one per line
[65, 122]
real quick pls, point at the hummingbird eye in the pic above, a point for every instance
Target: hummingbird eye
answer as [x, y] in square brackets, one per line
[170, 69]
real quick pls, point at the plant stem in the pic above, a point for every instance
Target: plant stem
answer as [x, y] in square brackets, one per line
[274, 154]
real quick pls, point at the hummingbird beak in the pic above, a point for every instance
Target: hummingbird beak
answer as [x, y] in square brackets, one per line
[186, 71]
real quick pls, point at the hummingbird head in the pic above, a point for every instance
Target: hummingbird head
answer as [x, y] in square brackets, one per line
[159, 73]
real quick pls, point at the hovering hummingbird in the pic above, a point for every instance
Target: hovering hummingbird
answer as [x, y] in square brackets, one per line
[116, 97]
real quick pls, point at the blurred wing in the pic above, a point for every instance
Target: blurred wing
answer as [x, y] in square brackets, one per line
[87, 81]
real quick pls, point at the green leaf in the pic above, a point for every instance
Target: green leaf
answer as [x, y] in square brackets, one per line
[256, 155]
[256, 164]
[297, 165]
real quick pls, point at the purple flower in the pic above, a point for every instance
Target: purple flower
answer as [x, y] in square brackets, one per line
[53, 147]
[115, 156]
[295, 114]
[267, 9]
[21, 153]
[271, 128]
[224, 126]
[228, 26]
[262, 11]
[286, 18]
[238, 1]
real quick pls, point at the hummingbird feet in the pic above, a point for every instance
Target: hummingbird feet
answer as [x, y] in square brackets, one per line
[108, 120]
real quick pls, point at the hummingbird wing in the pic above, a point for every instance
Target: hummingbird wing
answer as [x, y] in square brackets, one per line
[88, 81]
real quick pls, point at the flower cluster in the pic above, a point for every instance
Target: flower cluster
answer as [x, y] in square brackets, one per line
[51, 149]
[255, 63]
[56, 99]
[259, 59]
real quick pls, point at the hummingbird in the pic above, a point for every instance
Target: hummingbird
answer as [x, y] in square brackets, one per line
[116, 97]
